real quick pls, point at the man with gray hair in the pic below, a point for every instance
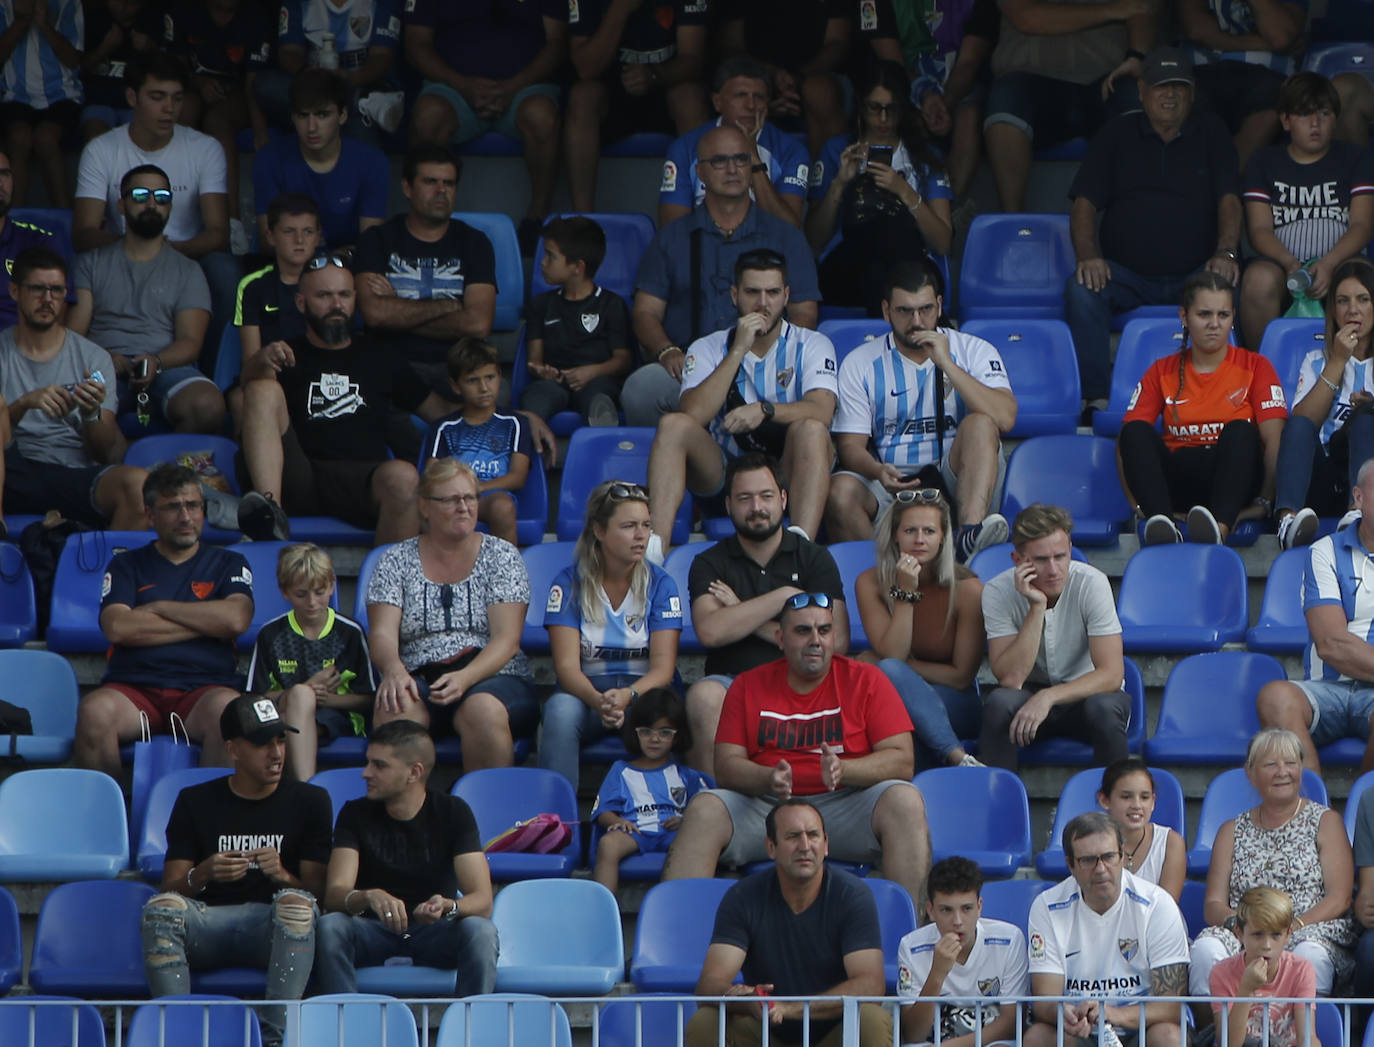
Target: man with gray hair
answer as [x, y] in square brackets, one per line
[1108, 936]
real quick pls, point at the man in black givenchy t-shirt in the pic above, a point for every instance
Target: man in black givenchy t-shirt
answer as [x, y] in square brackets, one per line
[246, 858]
[315, 415]
[407, 876]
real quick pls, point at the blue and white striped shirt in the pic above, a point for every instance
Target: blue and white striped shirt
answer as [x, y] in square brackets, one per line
[619, 645]
[1356, 378]
[1340, 570]
[32, 74]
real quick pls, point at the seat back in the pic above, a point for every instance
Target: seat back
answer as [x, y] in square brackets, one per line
[75, 622]
[1334, 59]
[11, 943]
[1352, 802]
[1010, 900]
[1230, 793]
[87, 940]
[896, 919]
[678, 564]
[852, 559]
[49, 814]
[1015, 265]
[18, 605]
[848, 335]
[364, 575]
[354, 1019]
[229, 359]
[1207, 714]
[673, 932]
[1190, 903]
[510, 268]
[585, 913]
[973, 810]
[498, 1018]
[1079, 796]
[162, 797]
[1142, 343]
[342, 784]
[50, 1021]
[1286, 343]
[627, 237]
[642, 1021]
[148, 451]
[268, 600]
[55, 220]
[1154, 619]
[1282, 626]
[1043, 369]
[542, 562]
[599, 454]
[194, 1021]
[501, 796]
[44, 683]
[1076, 472]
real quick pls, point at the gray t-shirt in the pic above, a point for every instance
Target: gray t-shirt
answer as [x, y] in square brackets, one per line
[136, 303]
[1364, 830]
[1084, 609]
[40, 438]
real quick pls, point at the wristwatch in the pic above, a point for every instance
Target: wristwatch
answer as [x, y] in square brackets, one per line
[759, 168]
[769, 409]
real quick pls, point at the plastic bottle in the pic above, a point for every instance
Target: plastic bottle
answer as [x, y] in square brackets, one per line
[328, 56]
[1299, 281]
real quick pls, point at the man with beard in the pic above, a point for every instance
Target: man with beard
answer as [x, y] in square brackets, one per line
[148, 304]
[171, 610]
[903, 394]
[762, 385]
[15, 237]
[62, 446]
[314, 421]
[738, 587]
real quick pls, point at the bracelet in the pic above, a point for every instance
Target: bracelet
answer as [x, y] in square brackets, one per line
[668, 349]
[1300, 922]
[916, 206]
[1329, 383]
[347, 896]
[89, 419]
[191, 884]
[905, 595]
[452, 914]
[1226, 254]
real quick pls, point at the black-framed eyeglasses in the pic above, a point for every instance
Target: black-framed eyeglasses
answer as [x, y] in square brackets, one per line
[721, 161]
[879, 109]
[620, 490]
[46, 290]
[1089, 862]
[918, 494]
[321, 261]
[800, 600]
[140, 195]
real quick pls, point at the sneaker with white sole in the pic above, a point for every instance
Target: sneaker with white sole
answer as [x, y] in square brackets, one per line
[1351, 516]
[970, 760]
[240, 243]
[1203, 528]
[261, 519]
[974, 538]
[386, 109]
[1298, 529]
[1161, 530]
[602, 412]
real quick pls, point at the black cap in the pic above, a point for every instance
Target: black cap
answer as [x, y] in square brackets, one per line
[1168, 65]
[253, 717]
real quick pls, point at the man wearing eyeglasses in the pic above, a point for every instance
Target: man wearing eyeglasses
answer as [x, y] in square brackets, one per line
[171, 610]
[1109, 937]
[810, 724]
[149, 305]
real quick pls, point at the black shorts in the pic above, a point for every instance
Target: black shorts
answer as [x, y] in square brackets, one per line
[342, 489]
[36, 487]
[1236, 90]
[628, 114]
[65, 113]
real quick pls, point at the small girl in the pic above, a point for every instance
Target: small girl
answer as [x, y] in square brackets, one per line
[1152, 852]
[640, 803]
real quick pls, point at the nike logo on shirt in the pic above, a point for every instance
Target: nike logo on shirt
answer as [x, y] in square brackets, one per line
[270, 308]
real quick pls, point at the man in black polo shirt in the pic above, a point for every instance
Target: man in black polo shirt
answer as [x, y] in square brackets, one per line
[738, 587]
[1167, 183]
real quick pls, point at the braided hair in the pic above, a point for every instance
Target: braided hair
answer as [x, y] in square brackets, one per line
[1192, 287]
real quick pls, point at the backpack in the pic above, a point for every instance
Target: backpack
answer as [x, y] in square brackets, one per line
[542, 834]
[42, 544]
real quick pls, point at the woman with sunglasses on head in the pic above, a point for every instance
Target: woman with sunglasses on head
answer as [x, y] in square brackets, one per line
[924, 619]
[446, 610]
[614, 620]
[1223, 411]
[1331, 432]
[883, 190]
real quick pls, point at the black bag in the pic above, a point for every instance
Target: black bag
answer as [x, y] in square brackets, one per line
[14, 721]
[42, 546]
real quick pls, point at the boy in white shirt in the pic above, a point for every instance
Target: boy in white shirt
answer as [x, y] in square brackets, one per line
[959, 954]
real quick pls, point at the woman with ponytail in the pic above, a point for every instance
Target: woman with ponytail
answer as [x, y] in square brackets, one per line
[1223, 411]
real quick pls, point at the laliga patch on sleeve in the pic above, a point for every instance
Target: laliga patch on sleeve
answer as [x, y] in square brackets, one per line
[669, 182]
[265, 711]
[106, 584]
[817, 174]
[284, 18]
[574, 12]
[1037, 947]
[868, 16]
[1134, 396]
[674, 607]
[690, 364]
[555, 601]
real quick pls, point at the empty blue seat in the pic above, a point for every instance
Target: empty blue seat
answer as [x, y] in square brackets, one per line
[1153, 617]
[268, 600]
[1282, 627]
[1328, 1028]
[330, 530]
[643, 1021]
[1010, 900]
[44, 683]
[342, 784]
[1144, 312]
[49, 1019]
[586, 955]
[18, 607]
[979, 813]
[1015, 266]
[1352, 802]
[848, 335]
[678, 564]
[354, 1019]
[151, 824]
[87, 941]
[627, 236]
[673, 932]
[597, 455]
[62, 823]
[229, 359]
[1142, 343]
[499, 1018]
[852, 559]
[1207, 714]
[501, 796]
[988, 563]
[407, 980]
[75, 622]
[896, 919]
[1079, 796]
[1333, 59]
[1286, 343]
[11, 943]
[1062, 751]
[1075, 472]
[1228, 794]
[510, 268]
[56, 220]
[1043, 369]
[543, 562]
[196, 1020]
[1190, 904]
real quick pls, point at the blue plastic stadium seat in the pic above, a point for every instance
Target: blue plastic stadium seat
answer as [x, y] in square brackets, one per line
[678, 564]
[597, 455]
[1070, 752]
[150, 825]
[1079, 796]
[329, 530]
[354, 1019]
[229, 359]
[638, 867]
[11, 943]
[1286, 344]
[1228, 795]
[491, 143]
[50, 693]
[543, 562]
[1073, 149]
[564, 423]
[1207, 714]
[1352, 802]
[1144, 312]
[51, 1022]
[407, 980]
[988, 563]
[148, 451]
[1328, 1028]
[1015, 266]
[852, 559]
[586, 957]
[56, 220]
[1010, 900]
[1043, 369]
[75, 622]
[1075, 472]
[87, 941]
[848, 335]
[672, 933]
[202, 1019]
[342, 784]
[896, 919]
[487, 1019]
[1333, 59]
[627, 236]
[369, 565]
[1142, 343]
[268, 601]
[501, 796]
[510, 268]
[641, 143]
[1154, 619]
[642, 1021]
[1190, 904]
[1282, 627]
[18, 607]
[60, 824]
[980, 813]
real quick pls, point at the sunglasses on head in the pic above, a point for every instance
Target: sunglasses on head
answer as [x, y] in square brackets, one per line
[796, 603]
[158, 196]
[621, 490]
[320, 261]
[918, 494]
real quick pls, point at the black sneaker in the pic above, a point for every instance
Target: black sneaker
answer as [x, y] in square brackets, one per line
[261, 519]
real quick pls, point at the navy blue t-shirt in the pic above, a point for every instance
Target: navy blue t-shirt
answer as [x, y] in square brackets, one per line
[486, 447]
[139, 576]
[356, 187]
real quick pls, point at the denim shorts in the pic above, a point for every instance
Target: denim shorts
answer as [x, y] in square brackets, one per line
[1340, 709]
[470, 125]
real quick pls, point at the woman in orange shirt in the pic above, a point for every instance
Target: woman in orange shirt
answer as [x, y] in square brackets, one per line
[1223, 411]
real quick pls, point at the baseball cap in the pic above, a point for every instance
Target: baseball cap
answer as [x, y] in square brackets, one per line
[1168, 65]
[254, 718]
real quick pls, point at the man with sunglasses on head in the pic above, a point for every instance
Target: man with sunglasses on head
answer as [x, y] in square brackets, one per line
[149, 305]
[171, 610]
[1111, 938]
[315, 414]
[924, 407]
[819, 726]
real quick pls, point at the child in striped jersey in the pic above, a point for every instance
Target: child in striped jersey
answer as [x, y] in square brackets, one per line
[640, 803]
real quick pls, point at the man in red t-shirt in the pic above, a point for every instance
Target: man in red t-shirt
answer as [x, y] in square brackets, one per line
[814, 725]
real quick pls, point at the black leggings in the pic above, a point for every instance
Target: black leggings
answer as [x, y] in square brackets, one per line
[1224, 477]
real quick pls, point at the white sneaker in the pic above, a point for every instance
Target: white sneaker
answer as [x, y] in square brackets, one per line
[239, 244]
[1297, 529]
[1203, 528]
[970, 760]
[653, 552]
[383, 108]
[1351, 516]
[1161, 530]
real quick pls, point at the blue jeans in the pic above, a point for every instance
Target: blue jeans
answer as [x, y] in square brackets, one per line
[1089, 316]
[940, 714]
[349, 942]
[570, 723]
[1307, 474]
[1364, 965]
[648, 394]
